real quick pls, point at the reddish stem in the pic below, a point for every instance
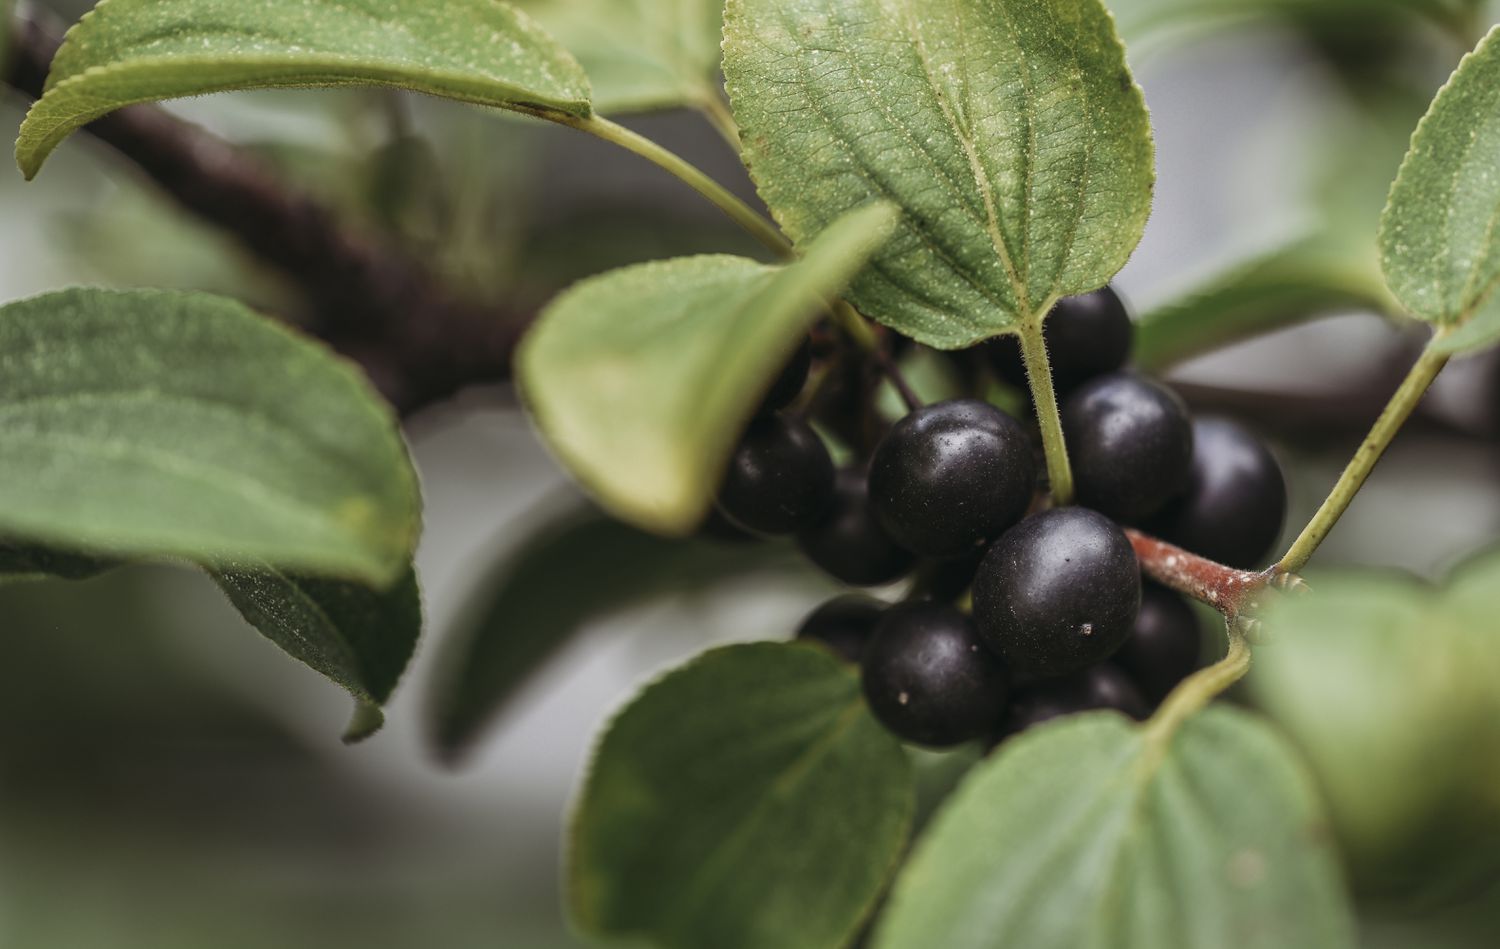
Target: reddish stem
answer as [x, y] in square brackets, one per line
[1226, 589]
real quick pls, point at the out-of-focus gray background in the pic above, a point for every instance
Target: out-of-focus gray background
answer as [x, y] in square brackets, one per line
[168, 779]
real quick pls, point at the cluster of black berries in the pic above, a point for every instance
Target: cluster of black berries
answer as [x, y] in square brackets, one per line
[1061, 621]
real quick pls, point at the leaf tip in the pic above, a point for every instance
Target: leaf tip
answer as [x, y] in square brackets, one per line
[367, 720]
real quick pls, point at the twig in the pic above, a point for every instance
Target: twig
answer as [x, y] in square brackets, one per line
[1230, 591]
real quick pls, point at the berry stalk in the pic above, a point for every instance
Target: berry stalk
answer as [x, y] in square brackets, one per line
[1230, 591]
[1044, 398]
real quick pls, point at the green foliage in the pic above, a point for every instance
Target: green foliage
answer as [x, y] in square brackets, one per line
[534, 601]
[746, 800]
[640, 54]
[29, 562]
[149, 424]
[128, 51]
[1437, 237]
[360, 638]
[1010, 132]
[1089, 833]
[641, 379]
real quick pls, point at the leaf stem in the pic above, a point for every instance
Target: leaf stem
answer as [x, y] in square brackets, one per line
[1200, 688]
[1396, 412]
[717, 112]
[740, 212]
[1039, 377]
[1230, 591]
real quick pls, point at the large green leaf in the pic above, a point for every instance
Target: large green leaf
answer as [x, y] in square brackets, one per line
[640, 54]
[1010, 132]
[1086, 834]
[30, 562]
[149, 424]
[1438, 243]
[360, 638]
[530, 604]
[745, 801]
[128, 51]
[641, 379]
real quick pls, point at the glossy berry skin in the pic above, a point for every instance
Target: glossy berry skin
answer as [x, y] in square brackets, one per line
[844, 624]
[951, 476]
[1058, 592]
[1234, 504]
[1130, 444]
[928, 678]
[780, 478]
[849, 544]
[789, 381]
[1104, 686]
[1087, 336]
[1165, 645]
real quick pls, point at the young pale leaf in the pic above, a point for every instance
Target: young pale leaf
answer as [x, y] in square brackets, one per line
[1010, 132]
[533, 602]
[1084, 833]
[128, 51]
[149, 424]
[641, 379]
[746, 801]
[1438, 243]
[640, 54]
[360, 638]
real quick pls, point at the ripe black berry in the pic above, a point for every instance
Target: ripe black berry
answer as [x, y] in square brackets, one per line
[1130, 444]
[1164, 648]
[1098, 687]
[790, 380]
[1086, 335]
[950, 476]
[1058, 592]
[849, 543]
[946, 580]
[780, 478]
[1235, 501]
[928, 678]
[844, 624]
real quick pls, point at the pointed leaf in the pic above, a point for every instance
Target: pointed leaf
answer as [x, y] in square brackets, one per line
[1010, 132]
[747, 800]
[148, 424]
[128, 51]
[642, 379]
[1440, 235]
[1086, 833]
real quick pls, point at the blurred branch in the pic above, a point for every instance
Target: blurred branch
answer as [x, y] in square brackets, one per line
[369, 300]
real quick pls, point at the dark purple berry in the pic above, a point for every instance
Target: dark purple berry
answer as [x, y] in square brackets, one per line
[1087, 335]
[849, 544]
[1165, 646]
[1098, 687]
[844, 624]
[780, 478]
[1130, 444]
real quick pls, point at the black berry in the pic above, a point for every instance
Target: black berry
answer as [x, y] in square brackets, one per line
[928, 678]
[1098, 687]
[1235, 501]
[790, 380]
[780, 478]
[849, 544]
[946, 580]
[950, 476]
[1130, 444]
[1086, 335]
[844, 624]
[1164, 648]
[1058, 592]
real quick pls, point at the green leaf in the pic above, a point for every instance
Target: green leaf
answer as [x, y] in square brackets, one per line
[1010, 132]
[641, 379]
[360, 638]
[746, 800]
[149, 424]
[129, 51]
[531, 603]
[640, 54]
[1086, 833]
[1438, 243]
[30, 562]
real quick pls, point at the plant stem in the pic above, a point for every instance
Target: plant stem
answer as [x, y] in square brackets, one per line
[854, 326]
[740, 212]
[1226, 589]
[1039, 377]
[717, 112]
[903, 388]
[1396, 412]
[1198, 689]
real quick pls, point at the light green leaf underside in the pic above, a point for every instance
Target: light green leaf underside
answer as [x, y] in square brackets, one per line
[149, 424]
[1074, 837]
[129, 51]
[360, 638]
[1440, 234]
[1010, 132]
[639, 54]
[641, 379]
[747, 800]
